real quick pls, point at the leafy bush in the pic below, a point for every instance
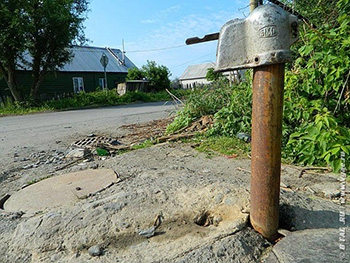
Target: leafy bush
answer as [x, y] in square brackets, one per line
[202, 101]
[319, 141]
[316, 117]
[135, 74]
[157, 75]
[183, 119]
[316, 108]
[90, 99]
[236, 116]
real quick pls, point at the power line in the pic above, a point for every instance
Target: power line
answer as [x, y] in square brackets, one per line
[156, 49]
[192, 60]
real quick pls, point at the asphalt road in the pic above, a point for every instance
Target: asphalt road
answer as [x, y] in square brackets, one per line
[43, 131]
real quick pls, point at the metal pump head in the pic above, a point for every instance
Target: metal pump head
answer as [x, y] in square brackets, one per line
[263, 38]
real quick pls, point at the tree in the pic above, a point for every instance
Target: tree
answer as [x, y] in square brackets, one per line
[135, 74]
[158, 76]
[43, 28]
[13, 28]
[55, 26]
[315, 11]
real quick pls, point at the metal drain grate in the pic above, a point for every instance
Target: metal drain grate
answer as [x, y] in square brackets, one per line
[95, 141]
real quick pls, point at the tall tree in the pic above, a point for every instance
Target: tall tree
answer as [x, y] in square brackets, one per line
[55, 25]
[157, 75]
[135, 74]
[44, 29]
[13, 28]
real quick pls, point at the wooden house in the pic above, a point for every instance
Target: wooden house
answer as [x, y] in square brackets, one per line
[83, 73]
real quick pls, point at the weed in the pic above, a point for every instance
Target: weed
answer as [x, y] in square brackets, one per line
[230, 147]
[84, 100]
[102, 152]
[34, 181]
[144, 144]
[316, 119]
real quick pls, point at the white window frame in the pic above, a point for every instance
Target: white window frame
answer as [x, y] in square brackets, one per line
[78, 84]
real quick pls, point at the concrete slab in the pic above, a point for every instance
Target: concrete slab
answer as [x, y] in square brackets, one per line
[312, 245]
[59, 190]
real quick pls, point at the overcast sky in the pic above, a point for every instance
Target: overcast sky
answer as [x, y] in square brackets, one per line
[157, 29]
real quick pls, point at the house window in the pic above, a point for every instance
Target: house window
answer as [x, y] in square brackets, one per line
[102, 83]
[78, 84]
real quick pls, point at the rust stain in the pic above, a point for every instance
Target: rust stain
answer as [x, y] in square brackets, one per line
[266, 148]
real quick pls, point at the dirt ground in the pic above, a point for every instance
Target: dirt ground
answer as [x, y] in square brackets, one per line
[203, 203]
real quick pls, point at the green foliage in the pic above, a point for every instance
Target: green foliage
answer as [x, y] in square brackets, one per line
[135, 74]
[44, 29]
[85, 100]
[19, 108]
[53, 27]
[201, 101]
[316, 11]
[316, 108]
[225, 145]
[214, 76]
[208, 100]
[102, 152]
[13, 28]
[320, 141]
[102, 98]
[157, 75]
[144, 144]
[183, 119]
[316, 120]
[236, 116]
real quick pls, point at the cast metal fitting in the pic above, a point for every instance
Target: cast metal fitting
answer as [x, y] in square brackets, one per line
[263, 38]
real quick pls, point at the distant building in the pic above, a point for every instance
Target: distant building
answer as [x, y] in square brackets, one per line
[195, 75]
[83, 73]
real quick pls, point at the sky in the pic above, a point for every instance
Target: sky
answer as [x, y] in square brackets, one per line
[156, 30]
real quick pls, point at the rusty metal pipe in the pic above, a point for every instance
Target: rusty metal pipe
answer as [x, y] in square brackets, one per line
[268, 85]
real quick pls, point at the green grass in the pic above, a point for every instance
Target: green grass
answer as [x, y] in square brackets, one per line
[223, 145]
[34, 181]
[10, 108]
[144, 144]
[86, 100]
[230, 147]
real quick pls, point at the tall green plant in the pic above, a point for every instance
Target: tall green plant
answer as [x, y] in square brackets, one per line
[316, 122]
[236, 115]
[316, 111]
[320, 141]
[206, 100]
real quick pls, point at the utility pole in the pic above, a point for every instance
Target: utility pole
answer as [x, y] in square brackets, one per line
[123, 53]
